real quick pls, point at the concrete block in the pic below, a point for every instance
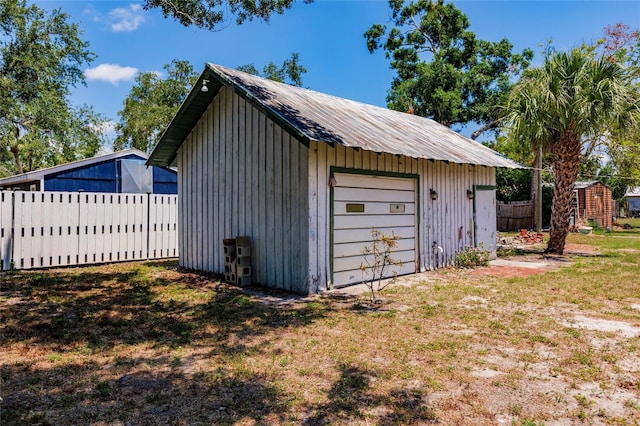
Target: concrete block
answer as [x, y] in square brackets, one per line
[230, 259]
[243, 261]
[243, 271]
[243, 251]
[230, 278]
[244, 281]
[229, 268]
[229, 250]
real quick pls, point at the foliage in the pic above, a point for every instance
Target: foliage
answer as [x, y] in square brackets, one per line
[573, 97]
[289, 72]
[215, 15]
[41, 58]
[513, 184]
[443, 71]
[378, 261]
[472, 257]
[151, 104]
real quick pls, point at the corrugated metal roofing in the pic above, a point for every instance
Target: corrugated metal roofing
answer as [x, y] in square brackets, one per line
[41, 173]
[584, 184]
[315, 116]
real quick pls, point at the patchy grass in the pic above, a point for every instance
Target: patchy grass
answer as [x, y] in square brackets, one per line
[144, 343]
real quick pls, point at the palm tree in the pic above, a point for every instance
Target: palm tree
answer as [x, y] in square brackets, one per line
[574, 96]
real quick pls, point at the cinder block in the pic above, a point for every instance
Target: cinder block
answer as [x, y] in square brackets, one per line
[243, 251]
[229, 268]
[229, 250]
[243, 261]
[243, 271]
[230, 258]
[230, 278]
[244, 281]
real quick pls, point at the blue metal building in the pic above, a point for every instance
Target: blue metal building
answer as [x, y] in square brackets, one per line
[121, 172]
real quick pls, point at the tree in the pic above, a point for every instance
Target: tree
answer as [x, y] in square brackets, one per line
[573, 98]
[151, 104]
[289, 72]
[215, 15]
[41, 58]
[443, 71]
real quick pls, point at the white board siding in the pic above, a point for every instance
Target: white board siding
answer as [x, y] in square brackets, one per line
[256, 186]
[446, 222]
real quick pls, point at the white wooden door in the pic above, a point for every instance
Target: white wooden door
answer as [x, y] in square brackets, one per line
[364, 202]
[485, 218]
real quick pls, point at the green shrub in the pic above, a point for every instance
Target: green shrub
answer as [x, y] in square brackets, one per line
[472, 257]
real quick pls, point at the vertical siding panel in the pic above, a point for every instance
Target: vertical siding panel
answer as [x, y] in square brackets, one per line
[264, 197]
[277, 212]
[199, 190]
[211, 246]
[312, 216]
[304, 207]
[219, 167]
[288, 220]
[340, 156]
[240, 193]
[229, 166]
[366, 163]
[255, 196]
[326, 157]
[235, 161]
[270, 206]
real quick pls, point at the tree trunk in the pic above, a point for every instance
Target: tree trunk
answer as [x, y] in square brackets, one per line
[16, 155]
[566, 164]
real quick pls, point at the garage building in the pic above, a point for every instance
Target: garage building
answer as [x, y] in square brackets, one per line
[306, 176]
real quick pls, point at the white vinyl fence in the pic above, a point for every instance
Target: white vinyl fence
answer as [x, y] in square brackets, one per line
[44, 229]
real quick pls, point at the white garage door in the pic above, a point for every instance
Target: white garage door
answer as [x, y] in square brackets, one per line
[363, 202]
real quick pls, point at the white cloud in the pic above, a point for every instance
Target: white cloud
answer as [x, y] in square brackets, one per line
[126, 19]
[112, 73]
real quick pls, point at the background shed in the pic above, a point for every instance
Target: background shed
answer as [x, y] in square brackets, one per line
[118, 172]
[307, 175]
[594, 203]
[633, 201]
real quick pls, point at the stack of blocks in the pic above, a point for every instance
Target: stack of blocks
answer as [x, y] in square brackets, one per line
[237, 260]
[243, 261]
[229, 245]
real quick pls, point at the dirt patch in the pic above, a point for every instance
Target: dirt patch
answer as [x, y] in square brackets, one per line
[507, 271]
[581, 249]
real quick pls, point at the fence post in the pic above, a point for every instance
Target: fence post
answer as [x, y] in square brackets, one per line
[148, 221]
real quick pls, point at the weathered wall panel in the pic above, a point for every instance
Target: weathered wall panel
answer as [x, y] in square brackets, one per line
[249, 188]
[446, 224]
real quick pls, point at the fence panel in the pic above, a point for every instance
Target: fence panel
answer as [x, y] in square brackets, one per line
[6, 221]
[43, 229]
[163, 241]
[515, 215]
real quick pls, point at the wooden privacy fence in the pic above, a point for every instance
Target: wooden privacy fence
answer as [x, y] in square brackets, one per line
[515, 215]
[44, 229]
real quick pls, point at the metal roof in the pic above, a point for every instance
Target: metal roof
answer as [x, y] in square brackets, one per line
[584, 184]
[632, 192]
[315, 116]
[41, 173]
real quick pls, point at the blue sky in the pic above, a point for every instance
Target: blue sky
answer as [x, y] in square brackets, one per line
[327, 35]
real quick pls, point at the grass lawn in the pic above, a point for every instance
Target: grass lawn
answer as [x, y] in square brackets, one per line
[146, 344]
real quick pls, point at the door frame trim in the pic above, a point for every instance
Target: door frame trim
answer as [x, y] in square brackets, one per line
[366, 172]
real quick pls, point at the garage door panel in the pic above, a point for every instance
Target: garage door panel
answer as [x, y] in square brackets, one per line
[348, 249]
[364, 234]
[378, 182]
[363, 195]
[388, 204]
[354, 262]
[340, 207]
[355, 277]
[368, 221]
